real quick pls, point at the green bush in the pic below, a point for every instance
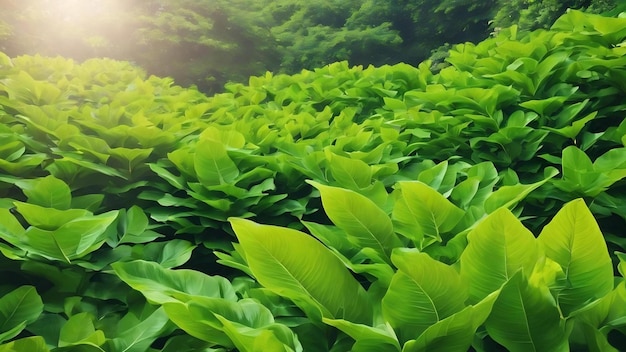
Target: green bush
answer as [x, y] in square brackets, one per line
[344, 208]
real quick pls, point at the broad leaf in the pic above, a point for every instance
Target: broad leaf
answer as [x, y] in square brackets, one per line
[10, 228]
[422, 293]
[160, 285]
[422, 214]
[49, 192]
[366, 224]
[526, 318]
[72, 240]
[274, 337]
[213, 165]
[509, 196]
[350, 173]
[368, 339]
[30, 344]
[499, 246]
[80, 330]
[18, 308]
[199, 317]
[47, 218]
[573, 240]
[142, 334]
[296, 266]
[456, 332]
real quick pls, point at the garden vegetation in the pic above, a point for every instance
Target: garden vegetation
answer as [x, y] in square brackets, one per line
[345, 208]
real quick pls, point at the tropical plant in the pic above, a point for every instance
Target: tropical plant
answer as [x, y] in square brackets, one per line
[344, 208]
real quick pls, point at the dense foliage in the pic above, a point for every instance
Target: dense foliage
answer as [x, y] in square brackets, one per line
[346, 208]
[208, 42]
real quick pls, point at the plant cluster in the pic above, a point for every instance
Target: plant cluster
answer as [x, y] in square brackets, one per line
[345, 208]
[209, 42]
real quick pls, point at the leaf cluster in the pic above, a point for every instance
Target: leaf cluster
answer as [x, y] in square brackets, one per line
[344, 208]
[207, 43]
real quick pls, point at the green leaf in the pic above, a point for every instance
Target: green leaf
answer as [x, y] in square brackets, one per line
[205, 317]
[213, 165]
[544, 106]
[160, 285]
[274, 337]
[498, 247]
[10, 228]
[440, 177]
[574, 240]
[509, 196]
[187, 343]
[132, 226]
[351, 173]
[47, 218]
[169, 254]
[90, 202]
[366, 224]
[49, 192]
[574, 129]
[422, 214]
[526, 318]
[578, 171]
[230, 138]
[30, 344]
[141, 335]
[130, 158]
[72, 240]
[79, 330]
[422, 292]
[18, 308]
[368, 338]
[72, 164]
[295, 265]
[456, 332]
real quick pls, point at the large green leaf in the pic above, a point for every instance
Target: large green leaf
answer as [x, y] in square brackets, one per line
[212, 164]
[597, 319]
[18, 308]
[422, 292]
[422, 214]
[509, 196]
[368, 338]
[30, 344]
[350, 173]
[47, 218]
[130, 158]
[137, 335]
[49, 192]
[80, 331]
[526, 318]
[295, 265]
[161, 285]
[498, 247]
[366, 224]
[582, 177]
[10, 228]
[456, 332]
[243, 324]
[273, 337]
[72, 240]
[574, 240]
[132, 227]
